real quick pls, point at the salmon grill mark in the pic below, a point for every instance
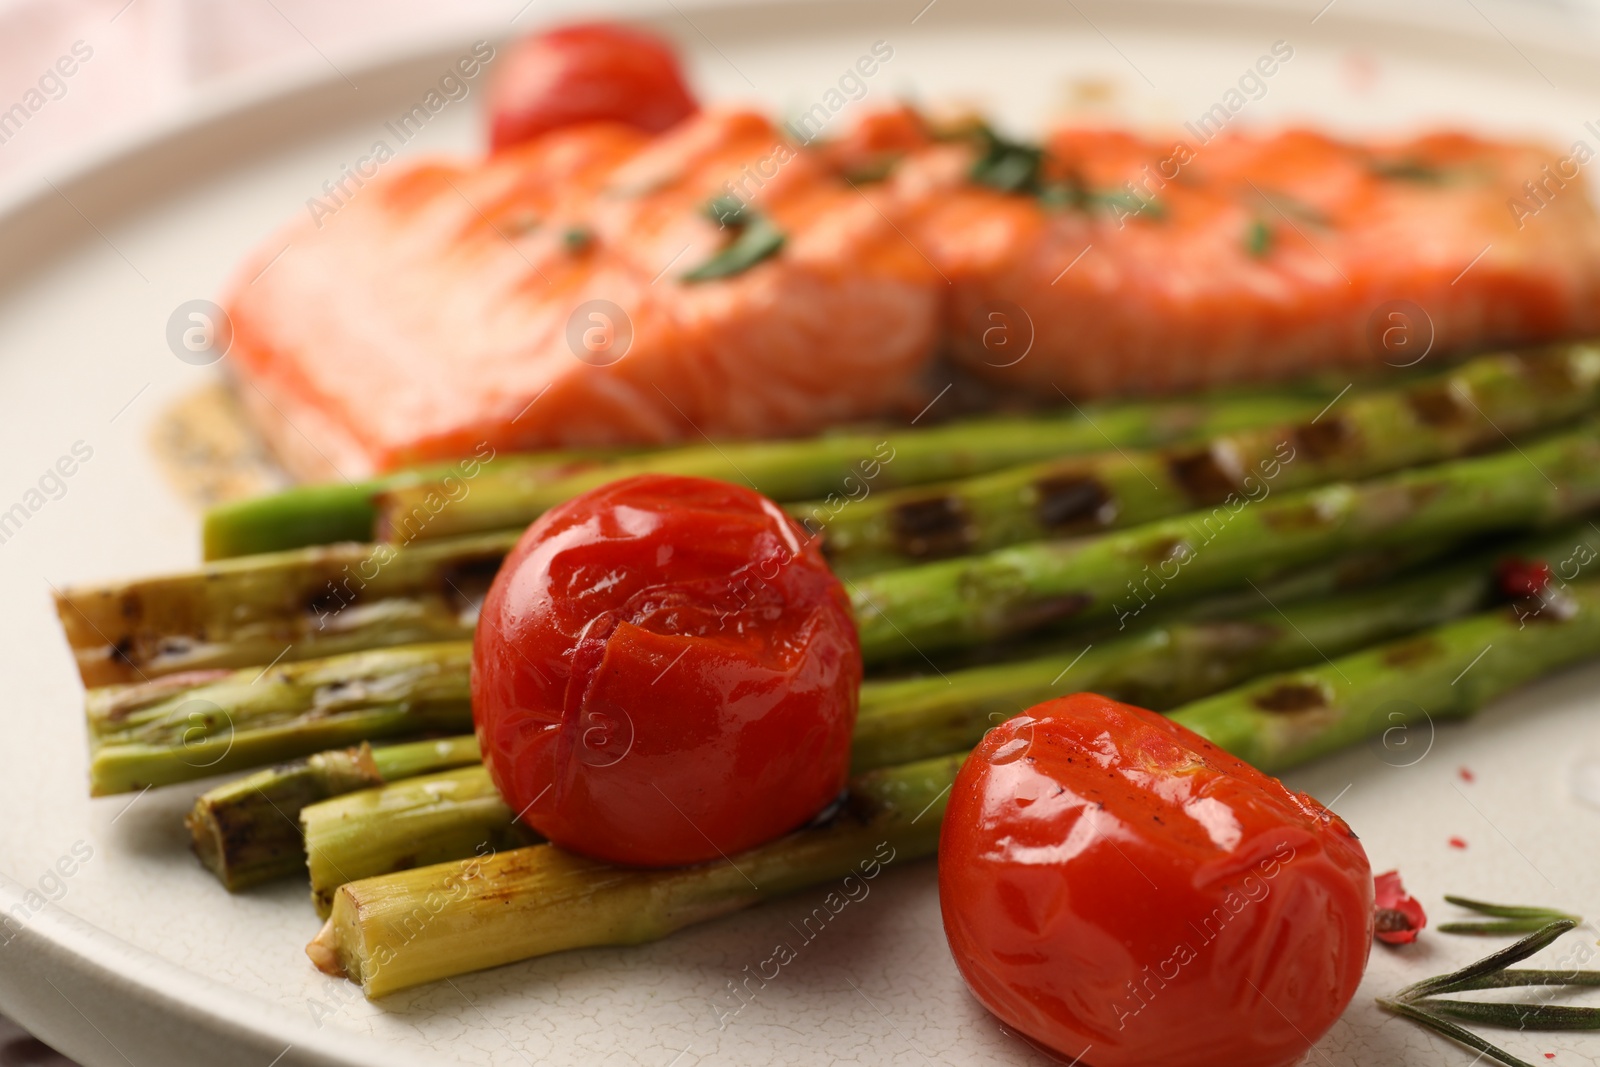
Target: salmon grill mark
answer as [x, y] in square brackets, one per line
[1202, 476]
[931, 528]
[1071, 501]
[1327, 439]
[1411, 653]
[1291, 696]
[132, 606]
[1437, 405]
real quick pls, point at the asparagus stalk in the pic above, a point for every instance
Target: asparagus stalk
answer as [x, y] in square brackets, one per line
[1453, 414]
[401, 930]
[322, 601]
[905, 720]
[159, 731]
[409, 823]
[1448, 672]
[966, 602]
[385, 934]
[848, 465]
[414, 677]
[285, 606]
[330, 513]
[900, 720]
[248, 830]
[1160, 667]
[181, 727]
[446, 816]
[421, 688]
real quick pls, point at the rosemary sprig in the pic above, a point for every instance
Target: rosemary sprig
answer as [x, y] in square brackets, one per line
[1128, 203]
[754, 239]
[1495, 961]
[1449, 1029]
[1512, 918]
[1006, 165]
[1518, 1016]
[577, 239]
[1019, 167]
[1421, 1001]
[727, 211]
[1258, 239]
[1408, 170]
[875, 170]
[1517, 979]
[1495, 929]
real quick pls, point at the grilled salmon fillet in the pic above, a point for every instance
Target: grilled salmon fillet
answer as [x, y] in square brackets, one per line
[1130, 264]
[451, 305]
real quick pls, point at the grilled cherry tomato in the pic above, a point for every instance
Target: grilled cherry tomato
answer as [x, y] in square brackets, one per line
[1117, 888]
[591, 72]
[666, 671]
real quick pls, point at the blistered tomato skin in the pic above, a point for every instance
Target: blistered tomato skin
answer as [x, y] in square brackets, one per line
[1115, 887]
[590, 72]
[666, 671]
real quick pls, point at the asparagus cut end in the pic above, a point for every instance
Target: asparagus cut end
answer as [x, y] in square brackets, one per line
[324, 952]
[206, 840]
[245, 832]
[392, 932]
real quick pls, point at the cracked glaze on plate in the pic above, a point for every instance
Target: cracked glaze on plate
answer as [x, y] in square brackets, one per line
[141, 959]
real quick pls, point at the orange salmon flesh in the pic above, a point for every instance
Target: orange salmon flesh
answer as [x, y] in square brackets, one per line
[539, 298]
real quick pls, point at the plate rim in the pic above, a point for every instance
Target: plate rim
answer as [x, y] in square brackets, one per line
[145, 993]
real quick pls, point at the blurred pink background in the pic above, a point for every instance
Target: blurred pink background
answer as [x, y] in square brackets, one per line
[136, 63]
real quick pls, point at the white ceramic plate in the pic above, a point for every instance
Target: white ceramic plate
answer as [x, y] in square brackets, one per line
[139, 958]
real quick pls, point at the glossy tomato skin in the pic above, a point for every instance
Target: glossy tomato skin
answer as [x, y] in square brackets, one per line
[666, 671]
[1112, 882]
[590, 72]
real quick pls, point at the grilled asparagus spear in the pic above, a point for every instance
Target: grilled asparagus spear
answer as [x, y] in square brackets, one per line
[181, 727]
[1447, 672]
[248, 830]
[1162, 667]
[848, 465]
[958, 603]
[189, 726]
[286, 606]
[319, 602]
[399, 930]
[347, 511]
[1459, 412]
